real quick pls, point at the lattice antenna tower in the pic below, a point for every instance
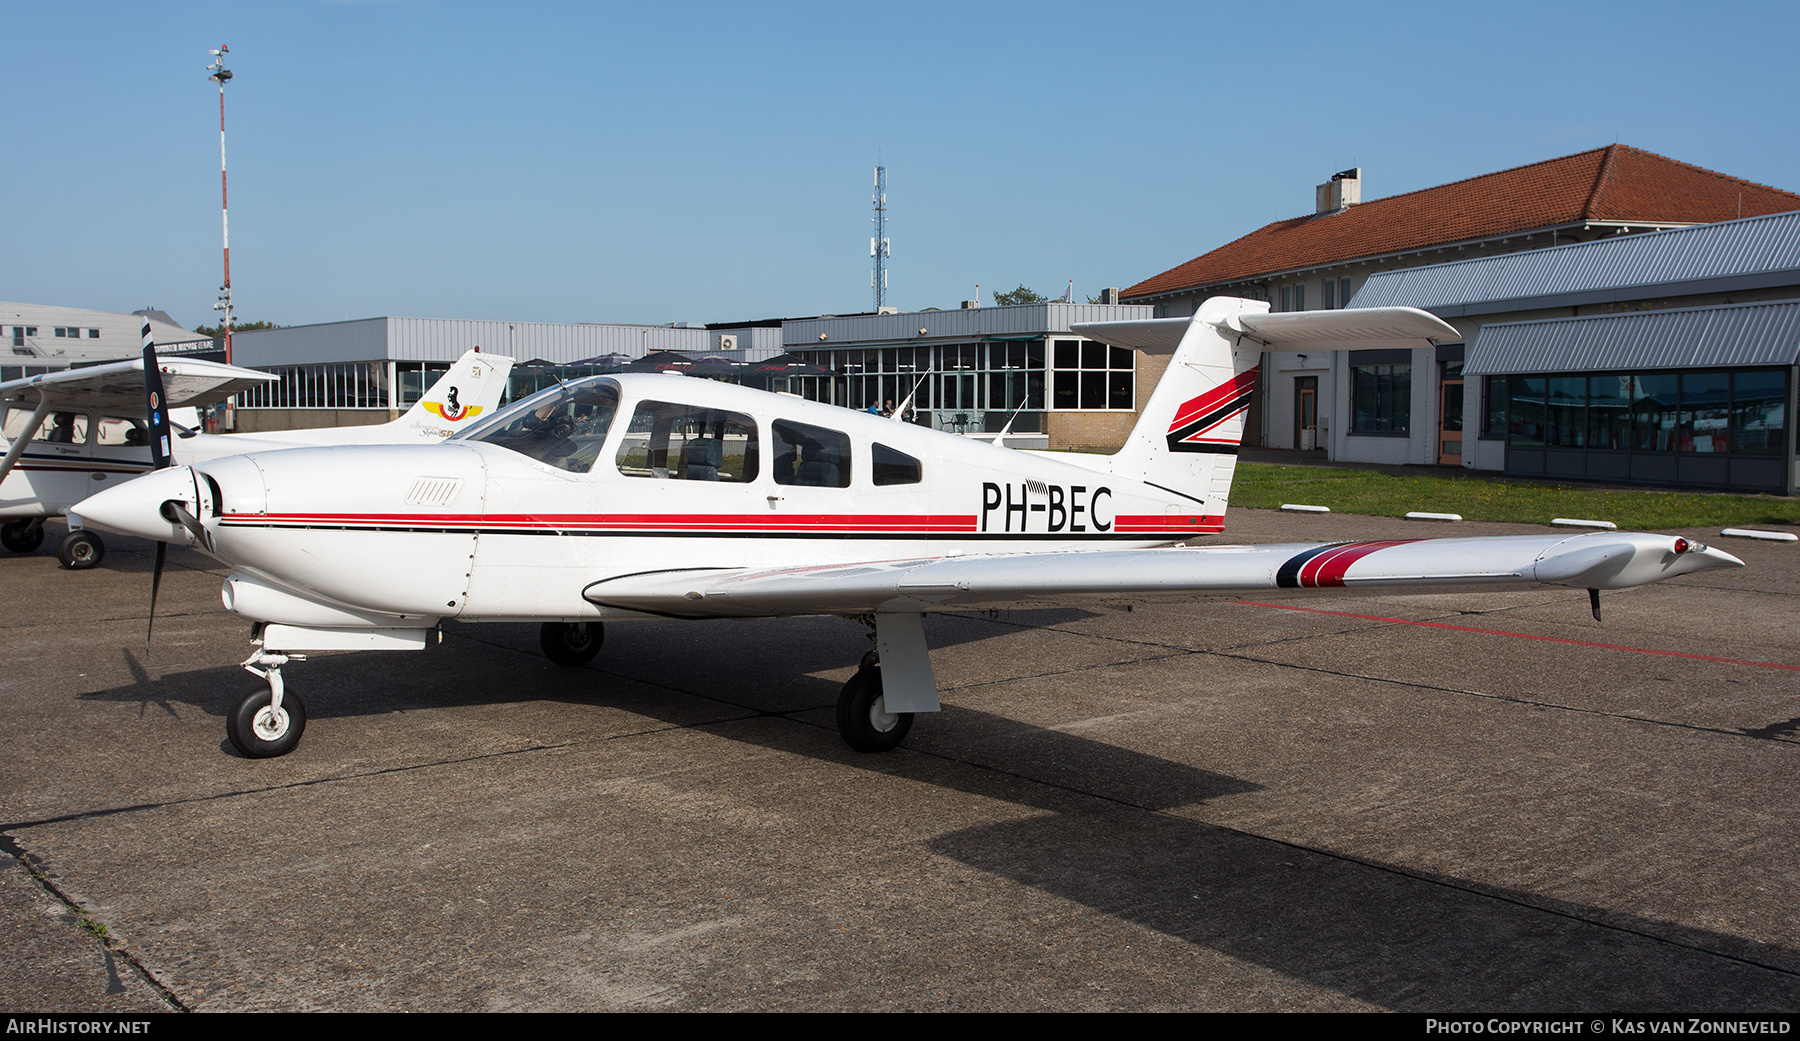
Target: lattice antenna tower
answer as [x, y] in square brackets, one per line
[878, 245]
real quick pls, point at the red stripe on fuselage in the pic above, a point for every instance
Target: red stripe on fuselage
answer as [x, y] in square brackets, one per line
[621, 521]
[1168, 524]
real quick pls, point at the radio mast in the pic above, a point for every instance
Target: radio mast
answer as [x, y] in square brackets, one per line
[220, 73]
[878, 246]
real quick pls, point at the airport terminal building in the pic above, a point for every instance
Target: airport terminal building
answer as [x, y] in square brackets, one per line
[1664, 358]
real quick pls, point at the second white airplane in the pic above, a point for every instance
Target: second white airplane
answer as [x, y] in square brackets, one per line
[66, 433]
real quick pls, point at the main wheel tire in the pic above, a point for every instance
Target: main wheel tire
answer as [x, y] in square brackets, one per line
[21, 536]
[571, 643]
[863, 718]
[81, 550]
[264, 733]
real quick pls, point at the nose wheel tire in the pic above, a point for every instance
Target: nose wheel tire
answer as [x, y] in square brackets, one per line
[81, 550]
[571, 643]
[862, 716]
[21, 536]
[262, 732]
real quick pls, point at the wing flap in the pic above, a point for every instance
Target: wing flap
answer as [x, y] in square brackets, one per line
[1600, 560]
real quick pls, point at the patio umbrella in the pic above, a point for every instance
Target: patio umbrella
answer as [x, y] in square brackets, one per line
[786, 365]
[661, 361]
[716, 366]
[614, 360]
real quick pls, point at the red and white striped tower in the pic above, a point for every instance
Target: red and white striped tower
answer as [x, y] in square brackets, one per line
[221, 74]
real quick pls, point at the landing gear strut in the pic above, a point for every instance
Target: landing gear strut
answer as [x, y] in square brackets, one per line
[267, 723]
[862, 716]
[81, 550]
[571, 643]
[22, 536]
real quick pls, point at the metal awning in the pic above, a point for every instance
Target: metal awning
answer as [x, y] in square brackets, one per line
[1730, 335]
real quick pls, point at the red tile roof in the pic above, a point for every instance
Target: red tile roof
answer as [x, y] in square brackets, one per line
[1615, 183]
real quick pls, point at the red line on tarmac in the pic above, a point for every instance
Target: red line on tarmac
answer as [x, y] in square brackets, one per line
[1525, 636]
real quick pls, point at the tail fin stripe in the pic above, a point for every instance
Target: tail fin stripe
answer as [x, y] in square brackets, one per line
[1238, 386]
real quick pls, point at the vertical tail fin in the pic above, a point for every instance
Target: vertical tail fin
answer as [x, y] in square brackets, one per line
[1187, 437]
[471, 388]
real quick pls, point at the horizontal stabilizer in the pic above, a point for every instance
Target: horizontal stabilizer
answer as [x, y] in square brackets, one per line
[1598, 560]
[1289, 330]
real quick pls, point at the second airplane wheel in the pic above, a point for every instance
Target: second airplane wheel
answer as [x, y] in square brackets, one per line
[862, 716]
[571, 643]
[81, 550]
[21, 536]
[262, 732]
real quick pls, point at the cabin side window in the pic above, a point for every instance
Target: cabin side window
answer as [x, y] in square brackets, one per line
[121, 431]
[677, 442]
[893, 466]
[811, 457]
[61, 427]
[562, 427]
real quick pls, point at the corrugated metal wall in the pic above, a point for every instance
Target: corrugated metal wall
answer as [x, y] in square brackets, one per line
[364, 339]
[1700, 337]
[445, 339]
[1740, 247]
[971, 324]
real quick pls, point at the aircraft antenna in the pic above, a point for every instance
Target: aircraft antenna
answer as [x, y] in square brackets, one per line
[220, 74]
[878, 245]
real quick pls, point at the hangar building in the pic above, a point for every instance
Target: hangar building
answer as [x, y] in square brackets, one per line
[1664, 358]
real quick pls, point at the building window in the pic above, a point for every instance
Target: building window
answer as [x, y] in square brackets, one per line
[1344, 291]
[1742, 412]
[93, 334]
[1287, 298]
[1090, 375]
[1758, 412]
[1300, 296]
[1329, 300]
[1381, 399]
[1493, 403]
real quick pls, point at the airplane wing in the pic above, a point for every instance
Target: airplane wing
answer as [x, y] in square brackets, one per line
[119, 386]
[1599, 560]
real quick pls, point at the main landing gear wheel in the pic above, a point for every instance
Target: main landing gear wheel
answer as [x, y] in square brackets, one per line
[862, 715]
[22, 536]
[571, 643]
[262, 732]
[81, 550]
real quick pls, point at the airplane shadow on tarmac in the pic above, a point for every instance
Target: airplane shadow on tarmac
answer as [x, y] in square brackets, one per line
[1388, 934]
[760, 665]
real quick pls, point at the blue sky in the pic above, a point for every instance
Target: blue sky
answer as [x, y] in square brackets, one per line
[712, 162]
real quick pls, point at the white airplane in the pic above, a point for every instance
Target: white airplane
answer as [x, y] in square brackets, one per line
[655, 496]
[68, 432]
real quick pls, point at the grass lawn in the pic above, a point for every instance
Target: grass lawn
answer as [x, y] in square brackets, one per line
[1264, 486]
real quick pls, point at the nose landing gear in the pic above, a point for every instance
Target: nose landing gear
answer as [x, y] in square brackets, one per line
[267, 723]
[81, 550]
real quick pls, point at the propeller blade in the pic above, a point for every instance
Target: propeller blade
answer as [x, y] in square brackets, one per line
[162, 551]
[191, 523]
[154, 402]
[159, 457]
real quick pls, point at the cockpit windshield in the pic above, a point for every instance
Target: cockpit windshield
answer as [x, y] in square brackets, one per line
[563, 426]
